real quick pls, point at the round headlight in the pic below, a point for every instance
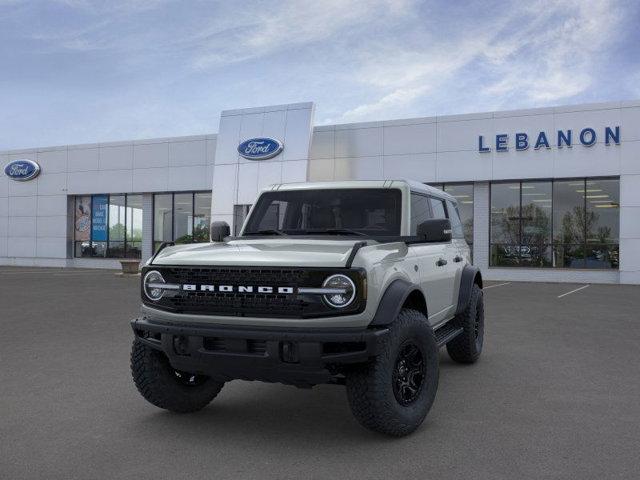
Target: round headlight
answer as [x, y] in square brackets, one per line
[151, 284]
[344, 291]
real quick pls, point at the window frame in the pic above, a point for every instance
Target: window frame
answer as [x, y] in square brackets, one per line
[553, 243]
[443, 187]
[423, 195]
[108, 239]
[173, 215]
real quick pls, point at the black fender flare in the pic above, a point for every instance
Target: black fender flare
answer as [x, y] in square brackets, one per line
[392, 301]
[467, 279]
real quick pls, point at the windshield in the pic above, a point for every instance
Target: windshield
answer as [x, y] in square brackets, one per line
[358, 212]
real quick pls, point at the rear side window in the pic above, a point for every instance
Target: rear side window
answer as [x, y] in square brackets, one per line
[420, 211]
[454, 216]
[437, 208]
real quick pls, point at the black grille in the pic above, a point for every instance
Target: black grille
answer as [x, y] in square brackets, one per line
[238, 276]
[249, 304]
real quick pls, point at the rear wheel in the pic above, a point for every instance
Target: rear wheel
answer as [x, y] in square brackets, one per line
[467, 347]
[394, 393]
[165, 387]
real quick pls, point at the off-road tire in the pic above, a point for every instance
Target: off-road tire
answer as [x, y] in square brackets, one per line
[159, 384]
[370, 388]
[467, 347]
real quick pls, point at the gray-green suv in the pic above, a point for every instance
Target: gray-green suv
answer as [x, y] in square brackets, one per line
[350, 283]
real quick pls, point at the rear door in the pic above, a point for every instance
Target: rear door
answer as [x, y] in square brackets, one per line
[460, 245]
[447, 264]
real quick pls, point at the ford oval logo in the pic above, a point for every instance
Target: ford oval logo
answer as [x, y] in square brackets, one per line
[22, 170]
[260, 148]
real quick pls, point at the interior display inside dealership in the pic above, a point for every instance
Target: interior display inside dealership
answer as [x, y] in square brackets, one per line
[548, 194]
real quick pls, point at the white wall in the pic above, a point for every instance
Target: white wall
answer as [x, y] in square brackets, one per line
[34, 222]
[237, 180]
[445, 149]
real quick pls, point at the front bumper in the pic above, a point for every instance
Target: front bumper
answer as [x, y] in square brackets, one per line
[301, 357]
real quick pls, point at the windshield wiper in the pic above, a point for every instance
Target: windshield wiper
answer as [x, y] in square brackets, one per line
[337, 231]
[266, 232]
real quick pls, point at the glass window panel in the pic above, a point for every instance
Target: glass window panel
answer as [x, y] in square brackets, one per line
[603, 211]
[134, 226]
[183, 218]
[115, 249]
[99, 218]
[505, 213]
[117, 225]
[454, 217]
[463, 193]
[82, 226]
[240, 213]
[437, 208]
[82, 249]
[535, 250]
[420, 211]
[603, 256]
[117, 217]
[568, 212]
[568, 256]
[504, 255]
[202, 217]
[99, 249]
[162, 219]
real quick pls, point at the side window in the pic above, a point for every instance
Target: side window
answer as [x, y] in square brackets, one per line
[420, 211]
[437, 206]
[456, 225]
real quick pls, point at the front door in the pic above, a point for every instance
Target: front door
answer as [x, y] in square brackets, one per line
[436, 277]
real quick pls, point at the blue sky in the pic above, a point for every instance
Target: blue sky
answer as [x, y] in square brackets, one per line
[76, 71]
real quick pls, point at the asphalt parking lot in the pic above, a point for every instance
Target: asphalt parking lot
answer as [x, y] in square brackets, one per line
[555, 395]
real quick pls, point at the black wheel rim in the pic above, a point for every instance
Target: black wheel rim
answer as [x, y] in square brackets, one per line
[408, 373]
[189, 379]
[478, 326]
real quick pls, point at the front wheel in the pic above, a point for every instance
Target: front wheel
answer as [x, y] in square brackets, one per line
[165, 387]
[394, 393]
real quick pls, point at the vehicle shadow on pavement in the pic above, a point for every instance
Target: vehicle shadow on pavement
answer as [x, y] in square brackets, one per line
[272, 412]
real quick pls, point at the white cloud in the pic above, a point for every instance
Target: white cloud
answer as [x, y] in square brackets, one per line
[554, 63]
[255, 33]
[543, 53]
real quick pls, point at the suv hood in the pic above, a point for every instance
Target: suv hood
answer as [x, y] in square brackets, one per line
[285, 252]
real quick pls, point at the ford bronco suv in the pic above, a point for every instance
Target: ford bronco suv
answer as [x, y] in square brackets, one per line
[352, 283]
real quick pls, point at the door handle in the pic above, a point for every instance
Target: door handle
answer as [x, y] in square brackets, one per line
[441, 262]
[457, 258]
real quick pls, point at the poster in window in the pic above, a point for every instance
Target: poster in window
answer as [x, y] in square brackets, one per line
[83, 219]
[99, 220]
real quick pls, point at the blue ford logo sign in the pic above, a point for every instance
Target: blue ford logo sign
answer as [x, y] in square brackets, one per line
[260, 148]
[22, 170]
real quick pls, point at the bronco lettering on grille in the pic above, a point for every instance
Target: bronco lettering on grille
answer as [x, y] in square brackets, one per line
[190, 287]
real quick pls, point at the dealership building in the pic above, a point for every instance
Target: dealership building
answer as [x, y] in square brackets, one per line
[547, 194]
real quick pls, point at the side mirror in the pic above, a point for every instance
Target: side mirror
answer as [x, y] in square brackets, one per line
[219, 230]
[435, 230]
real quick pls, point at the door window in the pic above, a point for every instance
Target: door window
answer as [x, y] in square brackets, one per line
[437, 207]
[420, 211]
[456, 225]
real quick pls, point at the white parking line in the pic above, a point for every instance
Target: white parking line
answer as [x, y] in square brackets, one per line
[573, 291]
[496, 285]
